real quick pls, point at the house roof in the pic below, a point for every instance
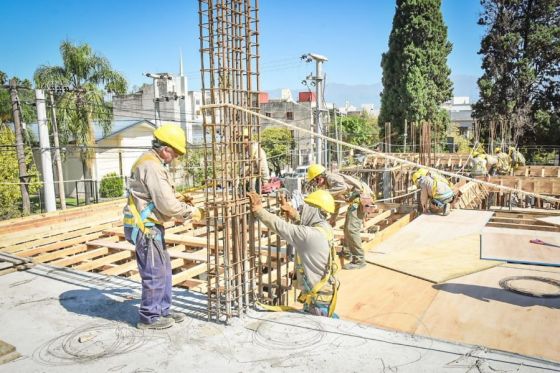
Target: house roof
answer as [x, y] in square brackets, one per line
[119, 126]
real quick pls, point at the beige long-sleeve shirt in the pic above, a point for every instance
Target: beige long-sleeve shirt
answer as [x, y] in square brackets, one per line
[310, 243]
[150, 181]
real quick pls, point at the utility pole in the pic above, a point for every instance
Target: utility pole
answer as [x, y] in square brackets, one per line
[20, 153]
[44, 144]
[57, 158]
[319, 83]
[405, 134]
[156, 78]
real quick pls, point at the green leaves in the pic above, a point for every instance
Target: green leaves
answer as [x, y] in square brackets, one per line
[360, 130]
[415, 72]
[277, 143]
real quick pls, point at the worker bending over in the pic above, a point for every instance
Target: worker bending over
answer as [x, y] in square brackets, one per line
[151, 202]
[478, 164]
[503, 165]
[350, 189]
[258, 162]
[313, 238]
[435, 191]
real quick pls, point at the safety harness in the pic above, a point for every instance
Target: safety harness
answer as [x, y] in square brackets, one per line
[311, 295]
[140, 220]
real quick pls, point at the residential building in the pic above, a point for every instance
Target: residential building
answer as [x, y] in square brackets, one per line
[460, 113]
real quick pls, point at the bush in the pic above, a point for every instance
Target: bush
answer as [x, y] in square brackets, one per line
[112, 186]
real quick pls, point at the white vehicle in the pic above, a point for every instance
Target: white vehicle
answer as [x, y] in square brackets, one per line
[301, 171]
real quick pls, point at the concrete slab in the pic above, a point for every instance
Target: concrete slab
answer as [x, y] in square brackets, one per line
[63, 320]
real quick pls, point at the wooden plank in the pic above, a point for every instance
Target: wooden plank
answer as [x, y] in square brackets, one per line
[512, 245]
[122, 268]
[59, 245]
[65, 262]
[475, 310]
[520, 225]
[198, 256]
[180, 239]
[189, 273]
[388, 232]
[553, 220]
[44, 258]
[91, 265]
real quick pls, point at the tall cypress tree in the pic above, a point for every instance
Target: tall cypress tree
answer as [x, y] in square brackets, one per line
[415, 73]
[519, 89]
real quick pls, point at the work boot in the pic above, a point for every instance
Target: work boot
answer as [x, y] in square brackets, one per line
[161, 323]
[446, 209]
[176, 316]
[354, 265]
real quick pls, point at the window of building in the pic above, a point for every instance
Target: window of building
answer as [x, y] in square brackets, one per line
[290, 115]
[267, 114]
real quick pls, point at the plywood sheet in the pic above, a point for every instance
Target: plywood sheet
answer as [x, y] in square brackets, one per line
[438, 262]
[512, 245]
[431, 229]
[554, 220]
[384, 298]
[474, 309]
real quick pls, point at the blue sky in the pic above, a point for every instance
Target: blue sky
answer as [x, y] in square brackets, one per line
[139, 36]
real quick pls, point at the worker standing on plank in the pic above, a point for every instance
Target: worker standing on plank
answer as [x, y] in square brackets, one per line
[435, 191]
[258, 161]
[350, 189]
[152, 201]
[313, 238]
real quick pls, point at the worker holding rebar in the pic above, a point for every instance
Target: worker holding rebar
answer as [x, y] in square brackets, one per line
[151, 202]
[313, 239]
[435, 191]
[351, 190]
[258, 162]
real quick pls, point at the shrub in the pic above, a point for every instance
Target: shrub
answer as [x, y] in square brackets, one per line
[112, 186]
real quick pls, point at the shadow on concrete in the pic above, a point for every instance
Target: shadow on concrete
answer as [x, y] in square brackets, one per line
[99, 303]
[486, 294]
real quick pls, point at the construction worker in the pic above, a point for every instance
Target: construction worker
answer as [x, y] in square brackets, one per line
[152, 201]
[503, 164]
[313, 238]
[435, 191]
[517, 159]
[348, 188]
[258, 160]
[478, 164]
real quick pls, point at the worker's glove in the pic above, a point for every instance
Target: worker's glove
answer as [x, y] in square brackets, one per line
[255, 201]
[287, 209]
[332, 221]
[199, 214]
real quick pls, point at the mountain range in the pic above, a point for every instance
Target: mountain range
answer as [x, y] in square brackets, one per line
[359, 94]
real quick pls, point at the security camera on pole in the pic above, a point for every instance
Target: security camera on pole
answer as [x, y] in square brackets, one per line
[156, 78]
[319, 82]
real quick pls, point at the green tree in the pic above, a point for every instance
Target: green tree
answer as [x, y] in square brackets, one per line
[194, 164]
[277, 142]
[26, 94]
[89, 77]
[359, 130]
[10, 196]
[519, 89]
[415, 73]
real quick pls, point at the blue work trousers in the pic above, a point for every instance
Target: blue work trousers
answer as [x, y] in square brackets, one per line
[154, 266]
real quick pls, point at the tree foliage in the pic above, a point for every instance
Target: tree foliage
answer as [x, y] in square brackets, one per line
[520, 89]
[25, 94]
[112, 186]
[277, 142]
[359, 130]
[10, 194]
[89, 78]
[415, 73]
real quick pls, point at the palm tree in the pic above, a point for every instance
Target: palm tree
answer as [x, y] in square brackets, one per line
[89, 77]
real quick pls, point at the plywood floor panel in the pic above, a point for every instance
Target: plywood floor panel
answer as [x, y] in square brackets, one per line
[474, 309]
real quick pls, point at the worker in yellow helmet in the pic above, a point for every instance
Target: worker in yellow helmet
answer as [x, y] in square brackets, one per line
[478, 164]
[502, 166]
[151, 202]
[345, 187]
[313, 238]
[435, 191]
[258, 162]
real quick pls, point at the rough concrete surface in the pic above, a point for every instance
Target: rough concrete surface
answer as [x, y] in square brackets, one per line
[64, 320]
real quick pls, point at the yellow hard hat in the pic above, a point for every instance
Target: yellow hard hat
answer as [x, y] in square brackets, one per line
[497, 150]
[314, 170]
[172, 135]
[418, 173]
[511, 149]
[321, 199]
[475, 154]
